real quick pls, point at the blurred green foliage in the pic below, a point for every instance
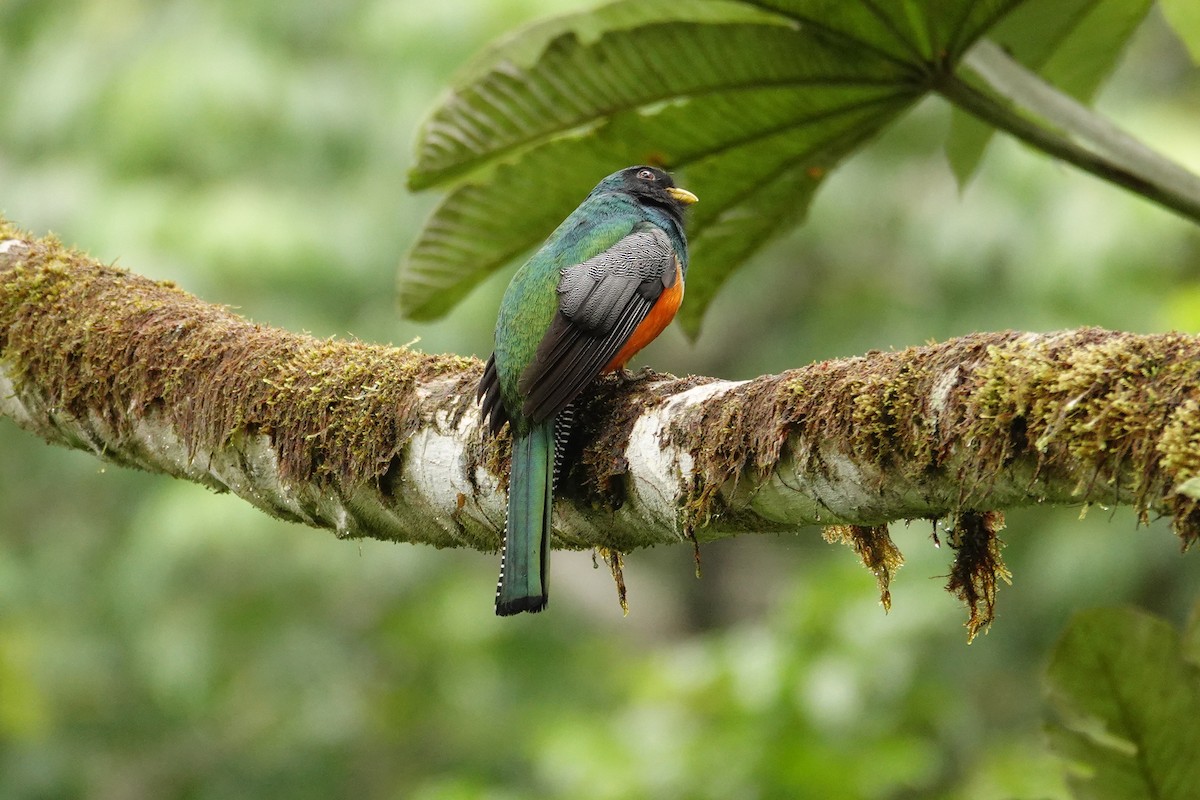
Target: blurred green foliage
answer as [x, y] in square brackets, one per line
[160, 641]
[1126, 691]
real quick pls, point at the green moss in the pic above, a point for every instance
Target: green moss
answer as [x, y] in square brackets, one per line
[1178, 450]
[1111, 408]
[10, 231]
[1179, 446]
[101, 341]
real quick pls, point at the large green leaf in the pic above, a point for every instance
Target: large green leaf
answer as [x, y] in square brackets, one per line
[1184, 16]
[1130, 707]
[753, 103]
[1072, 44]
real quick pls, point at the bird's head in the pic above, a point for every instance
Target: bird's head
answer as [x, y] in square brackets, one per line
[649, 185]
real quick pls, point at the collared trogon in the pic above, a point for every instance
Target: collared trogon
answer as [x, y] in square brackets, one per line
[602, 287]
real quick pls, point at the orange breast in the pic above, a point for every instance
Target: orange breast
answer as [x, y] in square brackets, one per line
[660, 316]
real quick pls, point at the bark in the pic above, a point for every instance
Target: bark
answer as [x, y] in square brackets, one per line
[385, 442]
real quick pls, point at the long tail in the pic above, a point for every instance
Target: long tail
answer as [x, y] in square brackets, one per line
[524, 567]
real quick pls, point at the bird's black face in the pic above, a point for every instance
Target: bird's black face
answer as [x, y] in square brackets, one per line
[653, 185]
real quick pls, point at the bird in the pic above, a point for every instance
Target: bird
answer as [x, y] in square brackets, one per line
[603, 285]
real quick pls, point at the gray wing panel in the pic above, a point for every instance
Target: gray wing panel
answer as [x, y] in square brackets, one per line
[594, 294]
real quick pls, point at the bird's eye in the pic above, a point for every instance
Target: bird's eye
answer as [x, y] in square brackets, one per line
[646, 175]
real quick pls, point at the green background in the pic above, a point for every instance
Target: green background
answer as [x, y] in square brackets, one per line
[157, 640]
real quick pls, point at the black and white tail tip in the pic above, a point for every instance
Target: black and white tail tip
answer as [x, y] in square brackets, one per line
[516, 606]
[564, 425]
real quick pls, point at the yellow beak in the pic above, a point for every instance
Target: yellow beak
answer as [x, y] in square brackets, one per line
[682, 195]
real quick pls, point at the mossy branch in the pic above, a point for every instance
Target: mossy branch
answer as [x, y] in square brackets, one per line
[384, 442]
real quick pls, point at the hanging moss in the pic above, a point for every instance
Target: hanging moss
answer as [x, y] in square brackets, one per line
[978, 567]
[875, 548]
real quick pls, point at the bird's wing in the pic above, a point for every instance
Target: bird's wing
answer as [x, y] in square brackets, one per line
[601, 302]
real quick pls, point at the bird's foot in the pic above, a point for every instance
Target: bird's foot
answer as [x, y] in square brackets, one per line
[626, 377]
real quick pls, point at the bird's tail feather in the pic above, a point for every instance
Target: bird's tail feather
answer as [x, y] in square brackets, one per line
[525, 562]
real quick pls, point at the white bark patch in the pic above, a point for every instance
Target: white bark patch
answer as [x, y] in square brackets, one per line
[940, 396]
[845, 487]
[10, 404]
[435, 471]
[659, 472]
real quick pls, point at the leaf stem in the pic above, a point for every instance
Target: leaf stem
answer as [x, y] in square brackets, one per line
[1019, 101]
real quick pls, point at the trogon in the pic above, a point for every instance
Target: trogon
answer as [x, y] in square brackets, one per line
[605, 283]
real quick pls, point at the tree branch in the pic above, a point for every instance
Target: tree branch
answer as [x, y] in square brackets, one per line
[384, 442]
